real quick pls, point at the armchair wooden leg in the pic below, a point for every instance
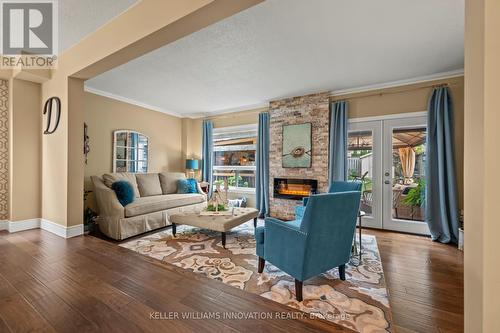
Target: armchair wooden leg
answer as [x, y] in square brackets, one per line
[298, 290]
[262, 262]
[342, 272]
[174, 229]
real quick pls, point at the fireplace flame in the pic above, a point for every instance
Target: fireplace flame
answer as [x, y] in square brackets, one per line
[294, 192]
[295, 189]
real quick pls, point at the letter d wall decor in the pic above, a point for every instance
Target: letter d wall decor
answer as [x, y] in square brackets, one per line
[53, 103]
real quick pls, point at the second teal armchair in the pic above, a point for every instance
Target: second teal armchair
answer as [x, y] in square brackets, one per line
[318, 242]
[335, 187]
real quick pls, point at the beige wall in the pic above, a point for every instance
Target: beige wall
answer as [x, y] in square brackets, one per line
[491, 167]
[25, 163]
[482, 116]
[104, 115]
[191, 138]
[237, 118]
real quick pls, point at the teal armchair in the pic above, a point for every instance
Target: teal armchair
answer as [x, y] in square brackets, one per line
[318, 242]
[335, 187]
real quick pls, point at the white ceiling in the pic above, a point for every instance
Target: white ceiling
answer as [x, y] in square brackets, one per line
[283, 48]
[78, 18]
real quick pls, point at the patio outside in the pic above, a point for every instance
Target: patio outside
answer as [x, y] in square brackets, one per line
[408, 171]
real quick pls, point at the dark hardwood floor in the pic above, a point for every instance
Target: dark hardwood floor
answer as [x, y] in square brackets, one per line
[86, 284]
[425, 282]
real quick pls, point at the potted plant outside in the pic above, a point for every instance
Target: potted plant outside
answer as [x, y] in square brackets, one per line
[416, 200]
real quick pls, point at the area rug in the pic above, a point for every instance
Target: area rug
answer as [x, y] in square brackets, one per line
[360, 303]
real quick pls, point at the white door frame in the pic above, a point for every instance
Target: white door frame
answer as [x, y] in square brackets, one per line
[388, 221]
[381, 127]
[375, 219]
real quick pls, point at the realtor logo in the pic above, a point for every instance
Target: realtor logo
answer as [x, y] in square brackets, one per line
[29, 30]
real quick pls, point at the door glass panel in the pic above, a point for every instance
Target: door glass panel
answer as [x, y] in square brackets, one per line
[408, 173]
[360, 165]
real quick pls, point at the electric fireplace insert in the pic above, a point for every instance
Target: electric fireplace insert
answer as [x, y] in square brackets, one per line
[294, 189]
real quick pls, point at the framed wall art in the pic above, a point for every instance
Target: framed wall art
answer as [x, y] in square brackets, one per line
[297, 145]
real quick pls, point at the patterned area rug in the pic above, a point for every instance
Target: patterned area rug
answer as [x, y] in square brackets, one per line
[360, 303]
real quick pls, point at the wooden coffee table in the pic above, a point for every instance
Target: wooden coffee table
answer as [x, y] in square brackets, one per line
[221, 223]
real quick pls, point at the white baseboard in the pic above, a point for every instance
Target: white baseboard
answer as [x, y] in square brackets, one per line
[62, 231]
[4, 225]
[16, 226]
[55, 228]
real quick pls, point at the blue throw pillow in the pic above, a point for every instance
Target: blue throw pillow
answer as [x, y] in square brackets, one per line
[124, 192]
[187, 186]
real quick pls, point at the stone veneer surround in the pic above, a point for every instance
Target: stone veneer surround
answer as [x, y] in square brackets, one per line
[297, 110]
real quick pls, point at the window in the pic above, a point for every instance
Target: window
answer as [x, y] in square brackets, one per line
[130, 152]
[234, 156]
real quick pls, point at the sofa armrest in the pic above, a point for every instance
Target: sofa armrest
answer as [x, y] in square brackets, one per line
[108, 203]
[200, 191]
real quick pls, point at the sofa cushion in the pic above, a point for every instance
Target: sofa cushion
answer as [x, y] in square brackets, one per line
[110, 178]
[148, 184]
[187, 186]
[168, 181]
[124, 192]
[146, 205]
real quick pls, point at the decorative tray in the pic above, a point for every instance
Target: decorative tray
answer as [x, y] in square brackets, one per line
[218, 213]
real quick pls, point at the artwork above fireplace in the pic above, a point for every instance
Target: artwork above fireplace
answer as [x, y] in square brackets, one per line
[294, 189]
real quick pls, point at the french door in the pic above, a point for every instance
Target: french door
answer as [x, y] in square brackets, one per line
[388, 156]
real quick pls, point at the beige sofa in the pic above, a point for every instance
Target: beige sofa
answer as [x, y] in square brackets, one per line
[156, 198]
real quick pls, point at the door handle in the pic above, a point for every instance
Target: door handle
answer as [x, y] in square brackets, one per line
[387, 182]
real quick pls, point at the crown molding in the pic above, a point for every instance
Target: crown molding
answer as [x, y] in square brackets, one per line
[237, 128]
[251, 107]
[399, 83]
[389, 117]
[131, 101]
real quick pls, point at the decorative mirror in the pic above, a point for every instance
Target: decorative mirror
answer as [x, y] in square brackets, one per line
[130, 151]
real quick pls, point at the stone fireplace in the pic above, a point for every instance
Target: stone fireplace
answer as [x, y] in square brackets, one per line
[297, 110]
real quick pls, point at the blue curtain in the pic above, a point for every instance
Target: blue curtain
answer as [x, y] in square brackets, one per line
[337, 164]
[262, 161]
[207, 151]
[441, 202]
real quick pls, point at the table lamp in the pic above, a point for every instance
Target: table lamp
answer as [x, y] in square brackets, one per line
[191, 166]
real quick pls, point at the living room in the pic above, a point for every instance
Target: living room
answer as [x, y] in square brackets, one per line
[222, 166]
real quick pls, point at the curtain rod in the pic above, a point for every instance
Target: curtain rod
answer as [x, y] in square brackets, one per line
[381, 93]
